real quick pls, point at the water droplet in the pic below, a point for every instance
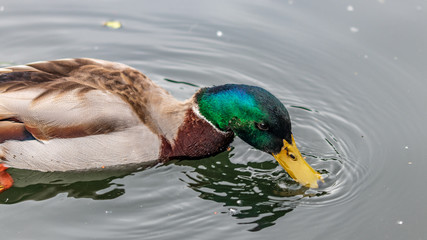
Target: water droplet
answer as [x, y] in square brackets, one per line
[239, 202]
[399, 222]
[233, 211]
[350, 8]
[354, 29]
[219, 33]
[409, 163]
[406, 147]
[108, 212]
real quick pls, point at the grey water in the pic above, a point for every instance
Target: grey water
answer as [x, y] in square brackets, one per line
[351, 73]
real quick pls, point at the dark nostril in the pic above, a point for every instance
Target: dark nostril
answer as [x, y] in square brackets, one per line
[292, 156]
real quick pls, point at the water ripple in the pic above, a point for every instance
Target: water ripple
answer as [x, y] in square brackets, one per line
[243, 185]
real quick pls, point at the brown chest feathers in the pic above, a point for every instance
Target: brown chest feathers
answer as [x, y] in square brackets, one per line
[196, 138]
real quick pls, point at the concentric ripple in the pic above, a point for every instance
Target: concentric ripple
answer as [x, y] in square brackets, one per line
[259, 191]
[283, 50]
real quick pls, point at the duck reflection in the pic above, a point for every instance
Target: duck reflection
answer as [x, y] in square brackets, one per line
[254, 193]
[94, 184]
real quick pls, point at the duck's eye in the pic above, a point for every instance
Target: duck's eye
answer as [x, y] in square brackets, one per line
[262, 126]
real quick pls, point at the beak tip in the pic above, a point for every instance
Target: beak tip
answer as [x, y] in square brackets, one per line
[320, 183]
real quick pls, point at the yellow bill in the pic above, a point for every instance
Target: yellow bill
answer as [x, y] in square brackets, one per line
[292, 161]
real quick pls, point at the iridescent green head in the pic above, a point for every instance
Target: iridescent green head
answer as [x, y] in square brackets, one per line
[261, 120]
[252, 113]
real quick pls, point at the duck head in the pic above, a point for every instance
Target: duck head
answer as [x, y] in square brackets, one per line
[259, 119]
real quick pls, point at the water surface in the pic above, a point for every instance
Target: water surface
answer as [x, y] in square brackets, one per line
[351, 73]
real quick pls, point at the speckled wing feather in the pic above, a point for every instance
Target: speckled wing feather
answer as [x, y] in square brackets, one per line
[68, 98]
[76, 104]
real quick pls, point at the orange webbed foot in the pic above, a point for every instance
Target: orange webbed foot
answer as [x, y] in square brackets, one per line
[6, 180]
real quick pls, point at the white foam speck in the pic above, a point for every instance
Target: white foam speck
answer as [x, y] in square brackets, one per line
[219, 33]
[399, 222]
[233, 211]
[1, 8]
[354, 29]
[350, 8]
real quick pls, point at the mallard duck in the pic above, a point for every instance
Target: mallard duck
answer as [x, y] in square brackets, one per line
[75, 114]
